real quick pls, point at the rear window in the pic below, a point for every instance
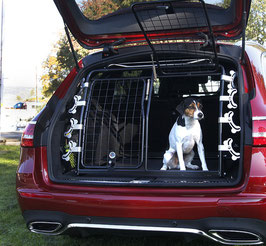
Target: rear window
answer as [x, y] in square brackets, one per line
[95, 9]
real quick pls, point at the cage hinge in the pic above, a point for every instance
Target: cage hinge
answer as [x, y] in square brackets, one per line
[228, 118]
[72, 148]
[73, 126]
[230, 99]
[85, 85]
[227, 78]
[227, 146]
[77, 103]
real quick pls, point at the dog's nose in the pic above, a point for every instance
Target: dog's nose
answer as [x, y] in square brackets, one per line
[200, 115]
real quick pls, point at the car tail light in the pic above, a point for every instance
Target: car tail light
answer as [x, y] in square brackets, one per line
[259, 131]
[28, 135]
[259, 139]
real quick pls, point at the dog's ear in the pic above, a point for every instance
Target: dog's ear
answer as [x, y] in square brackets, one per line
[180, 108]
[200, 102]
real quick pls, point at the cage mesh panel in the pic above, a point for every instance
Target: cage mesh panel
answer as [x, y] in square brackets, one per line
[113, 125]
[173, 17]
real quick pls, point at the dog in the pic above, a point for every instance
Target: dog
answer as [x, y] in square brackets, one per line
[184, 134]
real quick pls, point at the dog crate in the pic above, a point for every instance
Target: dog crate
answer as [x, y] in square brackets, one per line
[123, 122]
[121, 117]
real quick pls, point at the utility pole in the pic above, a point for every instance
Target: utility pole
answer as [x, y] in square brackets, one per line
[1, 64]
[36, 85]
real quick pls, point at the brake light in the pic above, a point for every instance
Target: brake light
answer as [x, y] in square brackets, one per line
[259, 131]
[28, 135]
[259, 139]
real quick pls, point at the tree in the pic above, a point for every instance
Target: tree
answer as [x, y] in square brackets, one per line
[57, 65]
[52, 77]
[256, 28]
[19, 98]
[95, 9]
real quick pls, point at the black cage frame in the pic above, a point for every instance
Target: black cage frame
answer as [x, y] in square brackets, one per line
[171, 17]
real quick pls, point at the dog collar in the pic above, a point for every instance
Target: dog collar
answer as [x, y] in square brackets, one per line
[180, 121]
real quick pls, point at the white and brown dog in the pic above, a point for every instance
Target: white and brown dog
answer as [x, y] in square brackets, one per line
[183, 136]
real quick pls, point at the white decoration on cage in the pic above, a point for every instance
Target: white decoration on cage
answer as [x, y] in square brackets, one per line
[229, 78]
[231, 90]
[73, 126]
[72, 148]
[227, 146]
[230, 99]
[228, 118]
[77, 103]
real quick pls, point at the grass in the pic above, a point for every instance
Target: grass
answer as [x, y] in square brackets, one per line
[13, 231]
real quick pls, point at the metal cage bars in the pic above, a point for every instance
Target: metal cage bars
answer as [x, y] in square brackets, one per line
[114, 124]
[153, 17]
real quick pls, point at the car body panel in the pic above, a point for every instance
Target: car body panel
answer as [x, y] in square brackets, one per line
[255, 53]
[164, 203]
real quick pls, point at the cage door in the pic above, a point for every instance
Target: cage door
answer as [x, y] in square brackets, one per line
[113, 134]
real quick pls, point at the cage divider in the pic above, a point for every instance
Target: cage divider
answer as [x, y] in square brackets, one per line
[87, 88]
[143, 124]
[150, 82]
[220, 125]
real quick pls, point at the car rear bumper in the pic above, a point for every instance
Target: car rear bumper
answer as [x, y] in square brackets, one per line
[230, 231]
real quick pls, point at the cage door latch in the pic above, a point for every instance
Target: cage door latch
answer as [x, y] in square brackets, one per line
[77, 103]
[227, 146]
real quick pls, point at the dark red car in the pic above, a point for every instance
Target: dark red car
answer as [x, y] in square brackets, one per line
[91, 159]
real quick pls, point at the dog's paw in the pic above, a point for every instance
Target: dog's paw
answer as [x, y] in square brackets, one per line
[164, 168]
[194, 167]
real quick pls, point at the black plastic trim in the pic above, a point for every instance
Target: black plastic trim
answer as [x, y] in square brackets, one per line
[211, 223]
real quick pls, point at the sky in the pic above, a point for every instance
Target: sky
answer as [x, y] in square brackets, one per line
[31, 27]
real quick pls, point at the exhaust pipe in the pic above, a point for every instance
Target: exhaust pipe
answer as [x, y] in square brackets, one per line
[44, 227]
[236, 237]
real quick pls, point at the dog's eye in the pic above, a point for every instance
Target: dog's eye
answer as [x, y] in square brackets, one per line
[191, 107]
